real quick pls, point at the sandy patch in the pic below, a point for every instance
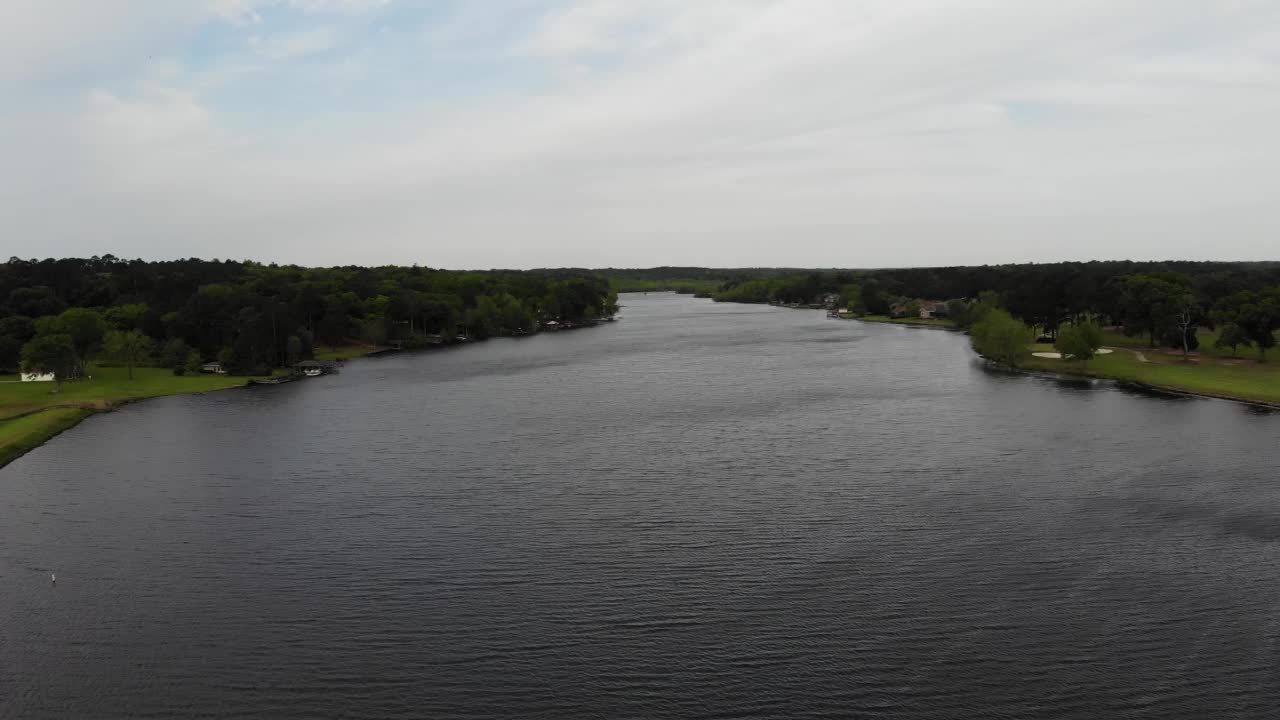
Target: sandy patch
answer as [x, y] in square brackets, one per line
[1058, 355]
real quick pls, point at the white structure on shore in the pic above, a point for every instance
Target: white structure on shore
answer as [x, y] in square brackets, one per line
[37, 377]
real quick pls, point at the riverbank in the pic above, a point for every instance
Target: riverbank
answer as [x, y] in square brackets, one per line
[1242, 380]
[31, 414]
[1210, 373]
[927, 322]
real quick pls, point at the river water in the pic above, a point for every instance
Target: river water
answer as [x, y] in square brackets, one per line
[700, 511]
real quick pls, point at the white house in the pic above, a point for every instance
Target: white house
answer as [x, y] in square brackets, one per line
[37, 377]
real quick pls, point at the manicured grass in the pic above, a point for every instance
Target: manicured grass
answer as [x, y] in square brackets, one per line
[1239, 379]
[107, 387]
[1206, 337]
[935, 322]
[21, 434]
[344, 352]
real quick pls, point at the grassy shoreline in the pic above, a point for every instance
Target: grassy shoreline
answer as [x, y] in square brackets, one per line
[927, 322]
[1211, 372]
[31, 414]
[24, 433]
[1245, 381]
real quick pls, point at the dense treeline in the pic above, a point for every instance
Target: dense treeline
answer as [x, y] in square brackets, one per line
[686, 280]
[56, 315]
[1163, 301]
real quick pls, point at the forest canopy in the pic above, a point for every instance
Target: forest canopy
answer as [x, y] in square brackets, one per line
[253, 317]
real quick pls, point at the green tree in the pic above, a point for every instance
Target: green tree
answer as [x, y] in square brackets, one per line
[35, 301]
[50, 354]
[83, 326]
[10, 353]
[174, 354]
[851, 298]
[960, 312]
[306, 344]
[18, 327]
[1152, 303]
[131, 347]
[1257, 313]
[1000, 338]
[293, 350]
[1079, 342]
[1232, 336]
[1092, 333]
[873, 298]
[334, 326]
[227, 359]
[126, 317]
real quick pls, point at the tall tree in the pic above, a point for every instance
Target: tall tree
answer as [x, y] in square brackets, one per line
[174, 355]
[1257, 314]
[1232, 336]
[1187, 317]
[1000, 338]
[86, 329]
[50, 355]
[130, 347]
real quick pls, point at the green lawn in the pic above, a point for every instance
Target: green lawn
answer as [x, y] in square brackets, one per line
[1210, 375]
[1206, 337]
[935, 322]
[78, 399]
[18, 435]
[107, 386]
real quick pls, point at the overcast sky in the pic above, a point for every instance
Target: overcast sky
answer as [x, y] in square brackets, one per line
[532, 133]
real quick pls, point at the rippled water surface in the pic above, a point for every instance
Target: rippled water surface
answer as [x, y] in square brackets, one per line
[701, 511]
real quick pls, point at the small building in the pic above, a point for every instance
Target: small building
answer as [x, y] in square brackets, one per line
[309, 368]
[829, 300]
[933, 310]
[38, 377]
[213, 367]
[313, 368]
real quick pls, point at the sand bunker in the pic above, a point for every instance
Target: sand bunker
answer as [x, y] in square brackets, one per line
[1058, 355]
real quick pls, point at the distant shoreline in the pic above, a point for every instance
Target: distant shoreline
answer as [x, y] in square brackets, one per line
[1042, 369]
[37, 424]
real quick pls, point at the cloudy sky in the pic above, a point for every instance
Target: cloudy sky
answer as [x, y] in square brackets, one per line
[530, 133]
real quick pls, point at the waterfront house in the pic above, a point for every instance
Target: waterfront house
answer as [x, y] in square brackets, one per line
[213, 367]
[931, 309]
[37, 377]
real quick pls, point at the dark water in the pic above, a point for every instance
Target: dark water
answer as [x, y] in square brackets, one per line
[702, 511]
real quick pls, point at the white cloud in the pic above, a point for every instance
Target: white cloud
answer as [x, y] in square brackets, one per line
[240, 12]
[296, 44]
[805, 132]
